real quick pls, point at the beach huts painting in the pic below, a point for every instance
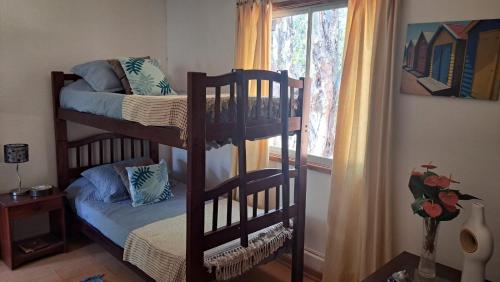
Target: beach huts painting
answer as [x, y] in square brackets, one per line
[454, 59]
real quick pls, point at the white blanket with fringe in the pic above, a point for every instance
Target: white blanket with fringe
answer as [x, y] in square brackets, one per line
[159, 248]
[171, 110]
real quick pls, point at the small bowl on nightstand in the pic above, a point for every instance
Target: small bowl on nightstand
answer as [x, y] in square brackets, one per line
[41, 190]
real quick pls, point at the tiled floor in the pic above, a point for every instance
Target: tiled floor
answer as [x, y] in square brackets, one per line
[87, 259]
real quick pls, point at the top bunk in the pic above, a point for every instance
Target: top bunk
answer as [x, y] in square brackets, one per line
[224, 109]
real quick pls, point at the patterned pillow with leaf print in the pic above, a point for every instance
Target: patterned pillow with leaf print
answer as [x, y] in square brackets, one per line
[149, 184]
[146, 77]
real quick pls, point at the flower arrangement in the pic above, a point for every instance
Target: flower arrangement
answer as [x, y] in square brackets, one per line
[434, 201]
[433, 196]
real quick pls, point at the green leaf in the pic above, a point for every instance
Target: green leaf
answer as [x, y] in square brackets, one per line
[419, 189]
[134, 65]
[417, 205]
[167, 193]
[422, 213]
[140, 176]
[466, 197]
[447, 215]
[430, 173]
[416, 186]
[143, 84]
[164, 87]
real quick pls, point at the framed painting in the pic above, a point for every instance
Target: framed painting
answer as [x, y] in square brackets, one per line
[453, 59]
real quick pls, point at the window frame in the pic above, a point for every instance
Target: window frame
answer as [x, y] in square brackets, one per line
[317, 163]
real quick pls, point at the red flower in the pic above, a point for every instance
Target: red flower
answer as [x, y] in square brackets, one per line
[416, 173]
[431, 180]
[451, 209]
[433, 210]
[429, 166]
[443, 182]
[448, 198]
[440, 181]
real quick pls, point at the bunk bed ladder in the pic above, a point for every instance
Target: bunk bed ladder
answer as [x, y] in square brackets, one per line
[279, 117]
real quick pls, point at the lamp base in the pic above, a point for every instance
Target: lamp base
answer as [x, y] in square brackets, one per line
[18, 192]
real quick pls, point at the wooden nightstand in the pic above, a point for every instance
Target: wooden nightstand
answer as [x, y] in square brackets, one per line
[25, 206]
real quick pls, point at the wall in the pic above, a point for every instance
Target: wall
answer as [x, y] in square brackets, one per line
[201, 37]
[39, 36]
[462, 137]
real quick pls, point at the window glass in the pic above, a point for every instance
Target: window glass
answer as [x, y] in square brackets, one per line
[327, 45]
[290, 52]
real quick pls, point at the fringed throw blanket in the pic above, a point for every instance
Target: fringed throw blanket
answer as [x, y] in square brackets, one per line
[171, 110]
[159, 249]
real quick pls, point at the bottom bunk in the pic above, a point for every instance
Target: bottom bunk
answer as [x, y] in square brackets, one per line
[151, 238]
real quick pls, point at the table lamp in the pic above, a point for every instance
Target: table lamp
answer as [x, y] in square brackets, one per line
[16, 154]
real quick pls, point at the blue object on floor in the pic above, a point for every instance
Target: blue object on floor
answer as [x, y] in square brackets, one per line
[95, 278]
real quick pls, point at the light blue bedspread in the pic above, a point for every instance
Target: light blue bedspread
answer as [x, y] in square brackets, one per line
[117, 220]
[79, 96]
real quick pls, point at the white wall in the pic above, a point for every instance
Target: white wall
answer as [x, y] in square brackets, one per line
[39, 36]
[462, 137]
[201, 37]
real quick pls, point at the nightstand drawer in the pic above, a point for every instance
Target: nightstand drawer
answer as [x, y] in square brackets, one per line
[36, 208]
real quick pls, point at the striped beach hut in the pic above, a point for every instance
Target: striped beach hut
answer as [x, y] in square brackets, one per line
[410, 55]
[422, 53]
[447, 48]
[481, 75]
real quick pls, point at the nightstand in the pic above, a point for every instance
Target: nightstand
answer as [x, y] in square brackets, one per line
[53, 242]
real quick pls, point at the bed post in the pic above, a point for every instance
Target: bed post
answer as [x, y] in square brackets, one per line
[300, 184]
[195, 176]
[61, 133]
[154, 152]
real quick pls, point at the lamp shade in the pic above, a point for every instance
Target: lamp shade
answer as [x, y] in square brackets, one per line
[15, 153]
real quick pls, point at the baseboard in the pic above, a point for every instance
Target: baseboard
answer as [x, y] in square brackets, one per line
[313, 262]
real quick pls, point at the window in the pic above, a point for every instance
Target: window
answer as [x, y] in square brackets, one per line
[311, 43]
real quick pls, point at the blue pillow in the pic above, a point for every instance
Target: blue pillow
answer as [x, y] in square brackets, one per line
[108, 183]
[149, 184]
[100, 75]
[78, 187]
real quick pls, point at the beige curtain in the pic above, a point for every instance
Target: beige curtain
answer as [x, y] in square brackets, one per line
[253, 44]
[359, 214]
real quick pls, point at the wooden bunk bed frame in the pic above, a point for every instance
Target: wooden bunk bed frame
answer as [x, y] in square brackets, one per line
[242, 126]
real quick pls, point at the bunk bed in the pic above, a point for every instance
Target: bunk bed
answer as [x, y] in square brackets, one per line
[230, 119]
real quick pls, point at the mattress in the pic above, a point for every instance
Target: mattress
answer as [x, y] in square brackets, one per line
[79, 96]
[169, 110]
[117, 220]
[153, 236]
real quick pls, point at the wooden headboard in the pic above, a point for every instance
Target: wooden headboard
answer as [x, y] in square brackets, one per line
[106, 148]
[75, 156]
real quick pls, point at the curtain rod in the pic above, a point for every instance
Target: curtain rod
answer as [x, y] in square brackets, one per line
[294, 4]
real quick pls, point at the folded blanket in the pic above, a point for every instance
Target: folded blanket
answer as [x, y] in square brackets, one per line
[171, 110]
[159, 249]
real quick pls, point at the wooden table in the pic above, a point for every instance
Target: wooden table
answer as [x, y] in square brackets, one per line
[12, 209]
[409, 262]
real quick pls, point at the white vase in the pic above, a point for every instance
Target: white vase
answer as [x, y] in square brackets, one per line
[477, 245]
